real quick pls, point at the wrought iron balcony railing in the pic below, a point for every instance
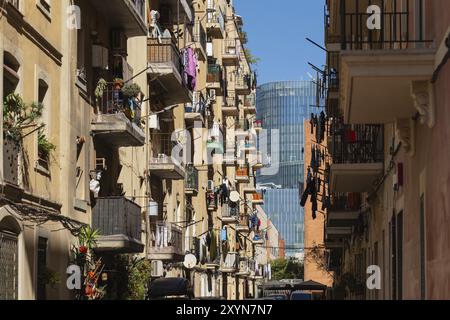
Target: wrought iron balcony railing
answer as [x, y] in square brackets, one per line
[360, 143]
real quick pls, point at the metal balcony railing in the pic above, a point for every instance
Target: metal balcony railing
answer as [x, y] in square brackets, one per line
[117, 215]
[167, 150]
[216, 16]
[231, 100]
[200, 35]
[230, 210]
[113, 101]
[230, 47]
[345, 202]
[165, 51]
[214, 73]
[231, 261]
[356, 143]
[167, 237]
[198, 104]
[250, 100]
[332, 71]
[398, 28]
[244, 81]
[242, 172]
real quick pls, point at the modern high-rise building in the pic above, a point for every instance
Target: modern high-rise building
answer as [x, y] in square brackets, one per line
[284, 106]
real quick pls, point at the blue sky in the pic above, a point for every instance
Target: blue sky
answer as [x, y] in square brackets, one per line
[277, 31]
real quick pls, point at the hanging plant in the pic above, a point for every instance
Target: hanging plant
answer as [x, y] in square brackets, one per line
[131, 90]
[101, 87]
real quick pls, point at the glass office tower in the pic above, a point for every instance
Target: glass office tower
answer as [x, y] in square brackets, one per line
[285, 106]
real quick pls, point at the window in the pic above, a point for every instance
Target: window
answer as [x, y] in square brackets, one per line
[10, 74]
[44, 6]
[8, 266]
[41, 268]
[44, 132]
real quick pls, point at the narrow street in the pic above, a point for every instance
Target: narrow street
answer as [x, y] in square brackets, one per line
[220, 150]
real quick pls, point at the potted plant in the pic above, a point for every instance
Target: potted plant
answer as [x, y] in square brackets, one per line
[100, 89]
[118, 83]
[131, 90]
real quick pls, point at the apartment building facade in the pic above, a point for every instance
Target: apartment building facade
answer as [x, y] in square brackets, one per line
[386, 81]
[149, 112]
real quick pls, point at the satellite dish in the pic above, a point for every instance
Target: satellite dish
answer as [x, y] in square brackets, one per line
[190, 261]
[235, 196]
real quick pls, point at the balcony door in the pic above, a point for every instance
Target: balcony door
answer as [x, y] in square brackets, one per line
[8, 265]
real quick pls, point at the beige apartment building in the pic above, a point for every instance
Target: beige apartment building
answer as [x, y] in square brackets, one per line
[386, 93]
[148, 134]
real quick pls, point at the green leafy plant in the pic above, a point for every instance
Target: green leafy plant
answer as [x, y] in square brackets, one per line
[287, 269]
[100, 88]
[17, 115]
[133, 276]
[88, 237]
[131, 90]
[49, 277]
[250, 57]
[44, 145]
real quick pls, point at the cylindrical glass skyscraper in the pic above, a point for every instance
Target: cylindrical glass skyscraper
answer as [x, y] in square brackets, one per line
[284, 106]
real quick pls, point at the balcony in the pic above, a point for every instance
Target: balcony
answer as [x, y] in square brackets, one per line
[358, 155]
[166, 72]
[243, 85]
[332, 74]
[230, 263]
[230, 108]
[214, 78]
[337, 233]
[200, 40]
[258, 239]
[250, 104]
[344, 209]
[128, 15]
[230, 54]
[229, 157]
[244, 267]
[191, 181]
[167, 242]
[211, 201]
[257, 161]
[119, 223]
[383, 73]
[230, 213]
[257, 198]
[215, 23]
[243, 227]
[118, 119]
[197, 110]
[258, 126]
[165, 165]
[249, 188]
[242, 175]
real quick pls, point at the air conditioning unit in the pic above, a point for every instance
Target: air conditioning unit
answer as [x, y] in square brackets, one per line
[212, 95]
[119, 40]
[210, 185]
[100, 57]
[157, 268]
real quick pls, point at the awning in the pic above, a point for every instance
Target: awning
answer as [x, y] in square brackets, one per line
[310, 285]
[166, 287]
